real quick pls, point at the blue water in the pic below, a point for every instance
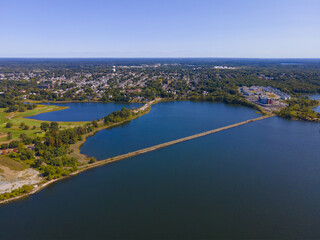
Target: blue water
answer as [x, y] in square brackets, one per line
[82, 111]
[260, 180]
[316, 97]
[167, 121]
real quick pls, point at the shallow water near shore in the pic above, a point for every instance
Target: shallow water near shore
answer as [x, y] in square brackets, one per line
[259, 180]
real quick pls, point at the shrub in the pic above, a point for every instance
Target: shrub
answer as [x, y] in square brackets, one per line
[13, 144]
[4, 146]
[16, 192]
[9, 137]
[44, 126]
[31, 106]
[12, 108]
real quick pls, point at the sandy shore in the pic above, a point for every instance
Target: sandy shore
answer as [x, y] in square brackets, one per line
[16, 179]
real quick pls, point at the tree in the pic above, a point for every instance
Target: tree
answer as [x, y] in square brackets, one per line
[95, 123]
[9, 137]
[13, 144]
[54, 126]
[23, 136]
[92, 160]
[44, 126]
[31, 106]
[12, 108]
[20, 147]
[4, 146]
[25, 127]
[9, 125]
[37, 163]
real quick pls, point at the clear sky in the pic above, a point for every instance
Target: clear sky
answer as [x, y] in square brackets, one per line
[160, 28]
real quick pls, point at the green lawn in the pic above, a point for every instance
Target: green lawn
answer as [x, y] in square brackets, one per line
[18, 117]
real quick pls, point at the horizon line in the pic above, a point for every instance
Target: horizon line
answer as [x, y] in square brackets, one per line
[160, 58]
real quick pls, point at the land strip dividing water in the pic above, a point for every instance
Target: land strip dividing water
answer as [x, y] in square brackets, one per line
[139, 112]
[163, 145]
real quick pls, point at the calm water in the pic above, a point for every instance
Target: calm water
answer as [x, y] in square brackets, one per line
[260, 180]
[165, 122]
[82, 111]
[316, 97]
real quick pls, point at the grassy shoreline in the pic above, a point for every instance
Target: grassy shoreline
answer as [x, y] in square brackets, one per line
[17, 118]
[76, 153]
[84, 160]
[89, 166]
[76, 147]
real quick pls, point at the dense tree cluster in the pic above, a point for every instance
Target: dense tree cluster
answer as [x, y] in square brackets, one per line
[53, 150]
[13, 104]
[300, 108]
[49, 154]
[118, 116]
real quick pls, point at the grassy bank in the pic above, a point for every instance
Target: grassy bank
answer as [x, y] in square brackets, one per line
[75, 148]
[74, 152]
[85, 163]
[88, 166]
[16, 118]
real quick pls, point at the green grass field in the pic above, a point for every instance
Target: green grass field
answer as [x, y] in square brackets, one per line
[17, 118]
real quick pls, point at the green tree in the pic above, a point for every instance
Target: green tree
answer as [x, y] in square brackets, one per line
[44, 126]
[54, 126]
[20, 147]
[13, 144]
[23, 136]
[4, 146]
[95, 123]
[9, 136]
[92, 160]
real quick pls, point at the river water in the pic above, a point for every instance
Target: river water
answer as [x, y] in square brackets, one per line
[259, 180]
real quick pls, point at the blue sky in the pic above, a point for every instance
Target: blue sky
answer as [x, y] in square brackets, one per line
[160, 28]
